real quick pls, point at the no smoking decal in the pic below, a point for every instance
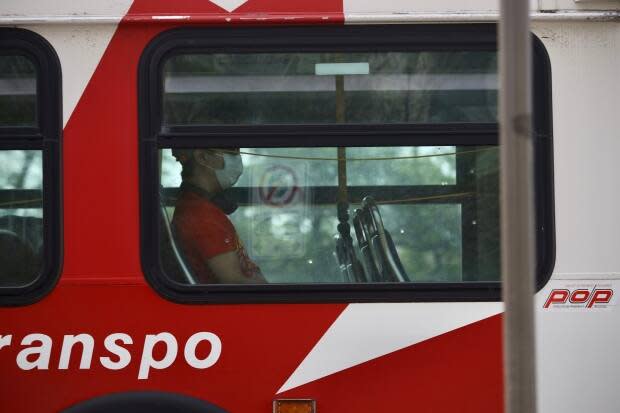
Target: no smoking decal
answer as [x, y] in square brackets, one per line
[279, 186]
[280, 195]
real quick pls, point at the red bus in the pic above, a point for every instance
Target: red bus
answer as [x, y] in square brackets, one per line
[254, 206]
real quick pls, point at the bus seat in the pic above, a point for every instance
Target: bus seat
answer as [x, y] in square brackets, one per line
[376, 243]
[368, 261]
[394, 253]
[172, 259]
[18, 262]
[350, 267]
[29, 229]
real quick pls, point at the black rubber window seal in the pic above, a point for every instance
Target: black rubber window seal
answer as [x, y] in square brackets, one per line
[345, 39]
[46, 136]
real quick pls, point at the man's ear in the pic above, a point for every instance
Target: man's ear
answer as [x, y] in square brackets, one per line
[208, 158]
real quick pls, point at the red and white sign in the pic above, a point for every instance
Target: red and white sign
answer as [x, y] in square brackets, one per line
[283, 186]
[279, 186]
[585, 297]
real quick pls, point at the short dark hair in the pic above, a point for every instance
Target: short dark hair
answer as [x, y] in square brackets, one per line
[187, 170]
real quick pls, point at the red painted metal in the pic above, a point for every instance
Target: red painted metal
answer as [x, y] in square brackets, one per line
[459, 371]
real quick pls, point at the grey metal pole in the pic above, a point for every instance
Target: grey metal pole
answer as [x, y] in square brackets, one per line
[517, 206]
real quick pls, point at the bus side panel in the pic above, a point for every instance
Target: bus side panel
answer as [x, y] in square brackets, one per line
[578, 367]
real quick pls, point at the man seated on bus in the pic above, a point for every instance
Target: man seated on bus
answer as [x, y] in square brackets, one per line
[206, 236]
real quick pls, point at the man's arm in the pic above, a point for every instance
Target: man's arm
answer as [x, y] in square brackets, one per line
[227, 269]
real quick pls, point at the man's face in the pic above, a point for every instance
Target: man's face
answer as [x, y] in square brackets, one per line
[212, 168]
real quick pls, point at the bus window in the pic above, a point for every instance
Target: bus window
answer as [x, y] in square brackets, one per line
[30, 122]
[21, 217]
[333, 164]
[302, 88]
[286, 211]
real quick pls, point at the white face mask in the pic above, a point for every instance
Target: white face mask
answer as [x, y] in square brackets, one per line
[232, 170]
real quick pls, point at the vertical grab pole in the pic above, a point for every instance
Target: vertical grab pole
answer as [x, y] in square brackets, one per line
[517, 206]
[344, 229]
[343, 195]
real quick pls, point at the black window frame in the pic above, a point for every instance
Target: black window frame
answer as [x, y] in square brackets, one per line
[377, 38]
[45, 136]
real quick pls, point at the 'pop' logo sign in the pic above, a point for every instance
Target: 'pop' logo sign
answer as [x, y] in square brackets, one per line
[579, 298]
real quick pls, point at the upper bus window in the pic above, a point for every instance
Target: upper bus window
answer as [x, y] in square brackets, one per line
[281, 88]
[30, 127]
[18, 101]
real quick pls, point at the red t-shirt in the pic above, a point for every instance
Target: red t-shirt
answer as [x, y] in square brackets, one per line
[204, 231]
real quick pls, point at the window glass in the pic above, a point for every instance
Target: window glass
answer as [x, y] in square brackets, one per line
[21, 217]
[30, 233]
[435, 165]
[319, 88]
[330, 163]
[18, 84]
[438, 207]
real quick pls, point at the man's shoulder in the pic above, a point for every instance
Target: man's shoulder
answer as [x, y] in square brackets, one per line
[198, 207]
